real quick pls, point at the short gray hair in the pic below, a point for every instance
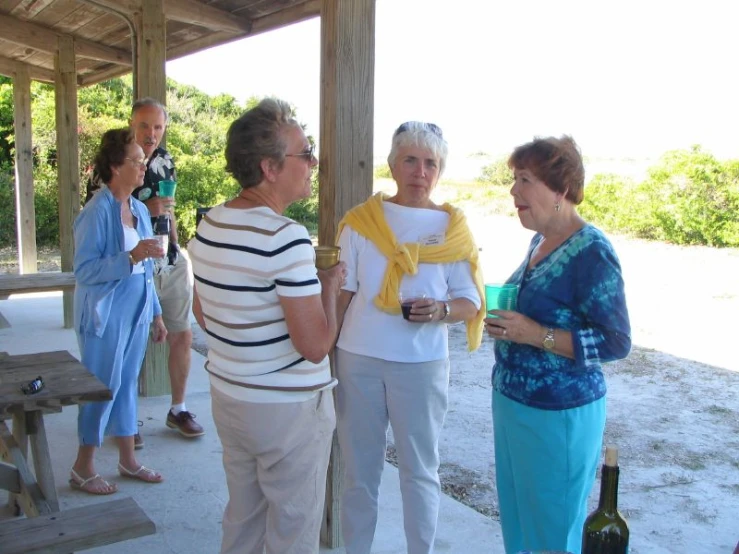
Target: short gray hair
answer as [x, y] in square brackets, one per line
[423, 135]
[148, 101]
[258, 134]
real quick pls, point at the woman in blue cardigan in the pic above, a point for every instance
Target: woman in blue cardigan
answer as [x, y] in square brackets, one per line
[549, 405]
[114, 306]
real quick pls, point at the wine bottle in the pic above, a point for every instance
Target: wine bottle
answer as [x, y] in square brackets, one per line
[605, 530]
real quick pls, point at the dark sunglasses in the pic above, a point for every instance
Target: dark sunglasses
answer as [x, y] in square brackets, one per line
[307, 154]
[33, 387]
[430, 127]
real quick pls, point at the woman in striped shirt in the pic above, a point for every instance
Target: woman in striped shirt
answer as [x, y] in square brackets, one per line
[270, 320]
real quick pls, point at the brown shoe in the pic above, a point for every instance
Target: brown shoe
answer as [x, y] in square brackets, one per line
[184, 422]
[138, 440]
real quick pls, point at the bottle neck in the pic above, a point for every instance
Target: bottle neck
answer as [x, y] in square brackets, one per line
[608, 489]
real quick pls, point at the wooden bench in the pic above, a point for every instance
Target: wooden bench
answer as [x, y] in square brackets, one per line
[76, 529]
[35, 282]
[38, 282]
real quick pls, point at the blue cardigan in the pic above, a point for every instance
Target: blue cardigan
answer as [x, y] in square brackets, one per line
[577, 287]
[101, 263]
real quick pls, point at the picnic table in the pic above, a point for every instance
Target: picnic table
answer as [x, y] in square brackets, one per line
[66, 382]
[45, 529]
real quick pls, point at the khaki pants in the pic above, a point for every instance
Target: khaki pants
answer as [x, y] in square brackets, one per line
[275, 457]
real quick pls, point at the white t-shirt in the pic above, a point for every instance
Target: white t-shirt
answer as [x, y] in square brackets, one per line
[367, 330]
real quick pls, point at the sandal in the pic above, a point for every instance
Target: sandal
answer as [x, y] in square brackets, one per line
[80, 484]
[143, 473]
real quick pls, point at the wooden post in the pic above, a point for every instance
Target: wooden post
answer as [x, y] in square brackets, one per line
[152, 51]
[67, 147]
[345, 170]
[151, 81]
[25, 211]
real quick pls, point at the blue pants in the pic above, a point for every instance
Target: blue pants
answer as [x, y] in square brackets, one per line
[545, 466]
[115, 359]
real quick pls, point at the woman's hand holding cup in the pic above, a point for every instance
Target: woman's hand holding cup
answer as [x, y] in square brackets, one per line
[147, 248]
[416, 306]
[333, 278]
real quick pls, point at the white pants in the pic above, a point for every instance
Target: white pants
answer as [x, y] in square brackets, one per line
[275, 457]
[413, 399]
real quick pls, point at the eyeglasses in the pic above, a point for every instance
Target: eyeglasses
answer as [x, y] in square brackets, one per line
[430, 127]
[307, 153]
[140, 162]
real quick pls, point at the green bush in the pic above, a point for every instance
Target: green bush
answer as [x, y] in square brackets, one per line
[382, 171]
[497, 174]
[7, 207]
[694, 198]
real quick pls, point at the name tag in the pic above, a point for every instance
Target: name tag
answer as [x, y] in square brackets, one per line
[432, 240]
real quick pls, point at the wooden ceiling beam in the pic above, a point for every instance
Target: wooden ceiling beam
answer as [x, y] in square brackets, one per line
[47, 40]
[288, 16]
[9, 67]
[188, 11]
[196, 13]
[296, 14]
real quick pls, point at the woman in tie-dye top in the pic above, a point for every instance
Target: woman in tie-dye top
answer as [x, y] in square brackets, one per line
[548, 385]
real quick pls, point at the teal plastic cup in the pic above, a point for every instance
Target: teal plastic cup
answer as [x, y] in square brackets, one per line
[167, 188]
[500, 297]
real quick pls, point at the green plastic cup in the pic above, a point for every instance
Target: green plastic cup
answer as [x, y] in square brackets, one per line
[167, 188]
[500, 297]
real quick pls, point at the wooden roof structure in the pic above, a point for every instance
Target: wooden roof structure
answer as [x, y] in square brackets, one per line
[105, 30]
[73, 43]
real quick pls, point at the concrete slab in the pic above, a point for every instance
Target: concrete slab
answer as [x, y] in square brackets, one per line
[187, 508]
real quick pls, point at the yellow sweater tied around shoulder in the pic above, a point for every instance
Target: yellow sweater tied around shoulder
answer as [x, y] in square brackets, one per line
[368, 219]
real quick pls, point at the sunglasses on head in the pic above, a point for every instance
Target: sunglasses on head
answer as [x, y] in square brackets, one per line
[430, 127]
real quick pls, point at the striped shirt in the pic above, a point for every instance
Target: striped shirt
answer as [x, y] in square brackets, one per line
[243, 260]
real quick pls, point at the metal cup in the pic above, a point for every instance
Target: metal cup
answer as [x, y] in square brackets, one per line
[327, 256]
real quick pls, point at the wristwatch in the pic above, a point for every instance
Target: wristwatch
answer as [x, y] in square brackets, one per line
[447, 310]
[548, 342]
[131, 260]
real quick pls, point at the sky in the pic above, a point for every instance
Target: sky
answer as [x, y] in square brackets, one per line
[627, 79]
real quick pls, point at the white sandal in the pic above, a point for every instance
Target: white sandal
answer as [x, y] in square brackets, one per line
[80, 484]
[141, 474]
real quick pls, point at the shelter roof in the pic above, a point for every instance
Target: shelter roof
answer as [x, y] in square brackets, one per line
[104, 30]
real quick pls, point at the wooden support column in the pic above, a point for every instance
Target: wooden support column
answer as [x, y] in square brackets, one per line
[67, 147]
[25, 211]
[151, 81]
[151, 29]
[345, 171]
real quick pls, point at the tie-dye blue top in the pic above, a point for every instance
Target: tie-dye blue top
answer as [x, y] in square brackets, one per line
[577, 287]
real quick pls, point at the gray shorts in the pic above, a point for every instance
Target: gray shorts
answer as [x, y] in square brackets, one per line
[174, 288]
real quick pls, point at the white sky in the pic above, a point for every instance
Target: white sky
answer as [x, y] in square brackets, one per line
[632, 78]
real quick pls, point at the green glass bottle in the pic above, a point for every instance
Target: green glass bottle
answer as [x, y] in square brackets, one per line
[605, 530]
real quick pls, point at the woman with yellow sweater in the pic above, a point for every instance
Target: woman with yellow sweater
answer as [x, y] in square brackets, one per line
[392, 370]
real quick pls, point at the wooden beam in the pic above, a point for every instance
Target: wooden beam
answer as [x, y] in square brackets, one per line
[151, 30]
[25, 212]
[67, 146]
[46, 39]
[197, 13]
[10, 479]
[345, 171]
[296, 14]
[30, 498]
[96, 76]
[10, 67]
[187, 11]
